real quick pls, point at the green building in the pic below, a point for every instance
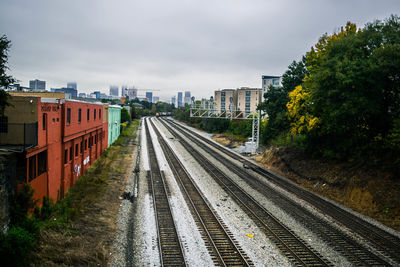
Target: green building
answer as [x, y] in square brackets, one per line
[114, 123]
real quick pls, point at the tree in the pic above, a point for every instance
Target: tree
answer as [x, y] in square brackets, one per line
[276, 99]
[5, 80]
[125, 117]
[352, 91]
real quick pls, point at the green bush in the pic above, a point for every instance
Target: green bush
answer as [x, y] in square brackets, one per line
[15, 246]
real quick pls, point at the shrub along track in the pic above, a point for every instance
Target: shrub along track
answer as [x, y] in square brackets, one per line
[222, 247]
[385, 243]
[291, 245]
[169, 245]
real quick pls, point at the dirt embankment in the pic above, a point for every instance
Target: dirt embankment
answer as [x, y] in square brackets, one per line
[372, 192]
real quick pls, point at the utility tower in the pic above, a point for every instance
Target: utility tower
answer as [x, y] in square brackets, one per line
[206, 109]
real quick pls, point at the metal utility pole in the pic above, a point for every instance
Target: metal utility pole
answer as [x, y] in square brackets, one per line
[206, 109]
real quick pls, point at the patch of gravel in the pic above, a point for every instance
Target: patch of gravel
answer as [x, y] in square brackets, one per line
[259, 249]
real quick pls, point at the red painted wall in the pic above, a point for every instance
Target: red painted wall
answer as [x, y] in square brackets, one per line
[74, 132]
[49, 139]
[85, 139]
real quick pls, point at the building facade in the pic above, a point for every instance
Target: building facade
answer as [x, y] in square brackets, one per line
[71, 91]
[149, 96]
[114, 90]
[270, 80]
[57, 139]
[187, 99]
[72, 85]
[131, 93]
[248, 99]
[37, 85]
[173, 100]
[180, 103]
[114, 123]
[225, 99]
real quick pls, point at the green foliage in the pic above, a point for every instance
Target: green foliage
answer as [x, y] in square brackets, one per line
[15, 247]
[276, 98]
[18, 242]
[355, 89]
[214, 125]
[125, 116]
[342, 101]
[5, 80]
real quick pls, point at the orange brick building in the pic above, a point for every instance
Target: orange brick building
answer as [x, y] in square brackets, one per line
[60, 139]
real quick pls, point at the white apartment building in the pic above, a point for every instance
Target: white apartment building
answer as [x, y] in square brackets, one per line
[270, 80]
[225, 99]
[244, 99]
[248, 99]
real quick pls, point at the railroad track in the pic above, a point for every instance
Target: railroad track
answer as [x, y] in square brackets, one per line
[170, 248]
[222, 246]
[386, 244]
[289, 243]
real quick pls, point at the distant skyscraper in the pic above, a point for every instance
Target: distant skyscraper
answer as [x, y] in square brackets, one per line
[72, 85]
[131, 93]
[97, 94]
[149, 96]
[173, 100]
[37, 85]
[180, 104]
[156, 99]
[82, 94]
[71, 91]
[124, 90]
[114, 90]
[187, 97]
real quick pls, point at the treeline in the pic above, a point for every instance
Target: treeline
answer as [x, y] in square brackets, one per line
[341, 101]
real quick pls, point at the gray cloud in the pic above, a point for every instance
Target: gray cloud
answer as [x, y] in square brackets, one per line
[169, 45]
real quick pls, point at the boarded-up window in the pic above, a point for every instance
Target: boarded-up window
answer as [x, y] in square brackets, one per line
[44, 121]
[42, 162]
[68, 116]
[32, 168]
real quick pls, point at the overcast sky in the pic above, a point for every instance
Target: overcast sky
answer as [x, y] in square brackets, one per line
[174, 45]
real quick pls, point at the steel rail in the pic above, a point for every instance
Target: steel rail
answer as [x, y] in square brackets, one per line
[170, 247]
[223, 246]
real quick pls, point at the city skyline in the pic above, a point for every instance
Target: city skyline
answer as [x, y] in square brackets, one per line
[198, 47]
